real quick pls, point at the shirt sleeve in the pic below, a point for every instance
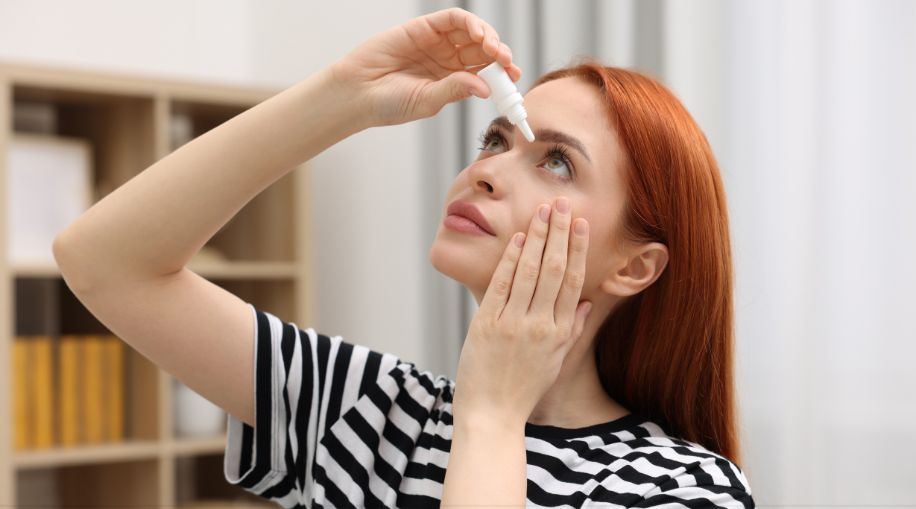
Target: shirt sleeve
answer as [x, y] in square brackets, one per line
[304, 381]
[705, 497]
[711, 483]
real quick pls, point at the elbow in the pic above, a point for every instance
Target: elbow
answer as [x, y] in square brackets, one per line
[73, 268]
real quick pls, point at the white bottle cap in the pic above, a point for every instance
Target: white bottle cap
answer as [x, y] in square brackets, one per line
[505, 95]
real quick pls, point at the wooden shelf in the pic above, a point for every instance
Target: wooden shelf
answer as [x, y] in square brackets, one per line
[87, 454]
[115, 452]
[192, 446]
[224, 270]
[260, 255]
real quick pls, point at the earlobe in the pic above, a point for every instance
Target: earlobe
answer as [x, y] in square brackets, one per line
[642, 268]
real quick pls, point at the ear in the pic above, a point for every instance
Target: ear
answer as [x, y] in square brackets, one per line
[639, 268]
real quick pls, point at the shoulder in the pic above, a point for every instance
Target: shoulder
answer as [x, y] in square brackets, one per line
[676, 469]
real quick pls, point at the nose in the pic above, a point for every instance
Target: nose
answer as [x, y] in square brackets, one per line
[483, 176]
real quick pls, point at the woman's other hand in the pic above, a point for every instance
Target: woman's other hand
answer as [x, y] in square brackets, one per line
[529, 319]
[411, 71]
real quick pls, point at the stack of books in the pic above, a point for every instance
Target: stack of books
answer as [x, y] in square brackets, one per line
[69, 391]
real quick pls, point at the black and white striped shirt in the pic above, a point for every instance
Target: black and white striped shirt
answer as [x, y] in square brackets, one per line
[340, 425]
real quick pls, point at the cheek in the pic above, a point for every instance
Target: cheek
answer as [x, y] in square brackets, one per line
[597, 252]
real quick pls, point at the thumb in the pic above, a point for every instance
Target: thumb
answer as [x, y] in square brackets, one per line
[455, 87]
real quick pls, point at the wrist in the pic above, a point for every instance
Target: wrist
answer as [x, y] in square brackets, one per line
[338, 100]
[348, 95]
[488, 422]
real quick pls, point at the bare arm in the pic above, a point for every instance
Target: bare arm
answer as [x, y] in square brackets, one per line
[152, 225]
[486, 464]
[125, 257]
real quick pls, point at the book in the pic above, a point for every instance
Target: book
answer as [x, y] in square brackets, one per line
[42, 393]
[22, 420]
[93, 412]
[113, 397]
[68, 390]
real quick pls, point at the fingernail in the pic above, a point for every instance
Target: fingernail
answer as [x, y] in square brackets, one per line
[544, 212]
[581, 227]
[473, 92]
[563, 205]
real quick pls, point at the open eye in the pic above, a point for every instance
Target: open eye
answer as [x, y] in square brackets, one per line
[558, 153]
[490, 136]
[493, 137]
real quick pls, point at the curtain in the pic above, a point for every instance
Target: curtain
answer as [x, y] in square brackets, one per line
[819, 156]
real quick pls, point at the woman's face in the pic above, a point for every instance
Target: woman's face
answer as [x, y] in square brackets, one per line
[511, 177]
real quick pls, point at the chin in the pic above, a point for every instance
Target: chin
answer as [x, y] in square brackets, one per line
[466, 264]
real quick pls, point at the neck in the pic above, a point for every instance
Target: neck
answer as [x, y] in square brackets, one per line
[577, 398]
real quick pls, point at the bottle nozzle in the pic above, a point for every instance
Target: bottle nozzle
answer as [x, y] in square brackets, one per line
[506, 97]
[526, 131]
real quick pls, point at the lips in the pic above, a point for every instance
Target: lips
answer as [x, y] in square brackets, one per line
[471, 212]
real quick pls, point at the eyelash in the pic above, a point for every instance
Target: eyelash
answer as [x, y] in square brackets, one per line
[556, 151]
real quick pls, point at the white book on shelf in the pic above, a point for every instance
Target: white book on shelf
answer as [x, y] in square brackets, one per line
[48, 186]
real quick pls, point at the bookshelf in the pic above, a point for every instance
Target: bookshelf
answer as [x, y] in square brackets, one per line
[261, 255]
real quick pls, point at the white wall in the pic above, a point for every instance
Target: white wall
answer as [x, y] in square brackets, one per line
[202, 39]
[365, 189]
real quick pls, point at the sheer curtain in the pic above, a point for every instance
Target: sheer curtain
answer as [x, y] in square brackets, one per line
[809, 106]
[821, 125]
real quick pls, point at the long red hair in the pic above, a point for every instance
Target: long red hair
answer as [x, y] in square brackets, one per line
[666, 352]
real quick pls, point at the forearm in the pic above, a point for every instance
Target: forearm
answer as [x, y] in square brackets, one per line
[153, 224]
[487, 465]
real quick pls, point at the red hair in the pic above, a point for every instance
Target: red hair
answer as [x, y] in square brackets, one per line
[666, 352]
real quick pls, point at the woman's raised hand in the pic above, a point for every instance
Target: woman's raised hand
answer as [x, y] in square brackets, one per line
[529, 319]
[411, 71]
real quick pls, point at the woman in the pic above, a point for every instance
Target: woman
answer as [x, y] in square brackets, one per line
[575, 387]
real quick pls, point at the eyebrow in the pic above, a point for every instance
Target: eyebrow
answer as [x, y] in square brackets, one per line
[549, 135]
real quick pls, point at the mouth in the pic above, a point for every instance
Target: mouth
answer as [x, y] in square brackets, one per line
[465, 216]
[464, 224]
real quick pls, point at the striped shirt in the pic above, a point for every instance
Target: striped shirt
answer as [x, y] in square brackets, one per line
[340, 425]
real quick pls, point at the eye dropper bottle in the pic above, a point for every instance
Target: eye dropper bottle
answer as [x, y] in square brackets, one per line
[505, 95]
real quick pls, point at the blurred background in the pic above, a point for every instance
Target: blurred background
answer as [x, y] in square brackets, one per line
[809, 107]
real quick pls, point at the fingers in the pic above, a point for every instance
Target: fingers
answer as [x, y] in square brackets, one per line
[569, 315]
[553, 261]
[463, 28]
[504, 55]
[546, 274]
[472, 54]
[494, 300]
[514, 72]
[459, 37]
[456, 18]
[529, 265]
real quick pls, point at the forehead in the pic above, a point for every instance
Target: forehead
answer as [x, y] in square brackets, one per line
[576, 108]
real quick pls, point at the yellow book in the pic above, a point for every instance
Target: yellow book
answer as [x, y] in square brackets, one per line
[92, 389]
[43, 391]
[21, 418]
[68, 391]
[114, 388]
